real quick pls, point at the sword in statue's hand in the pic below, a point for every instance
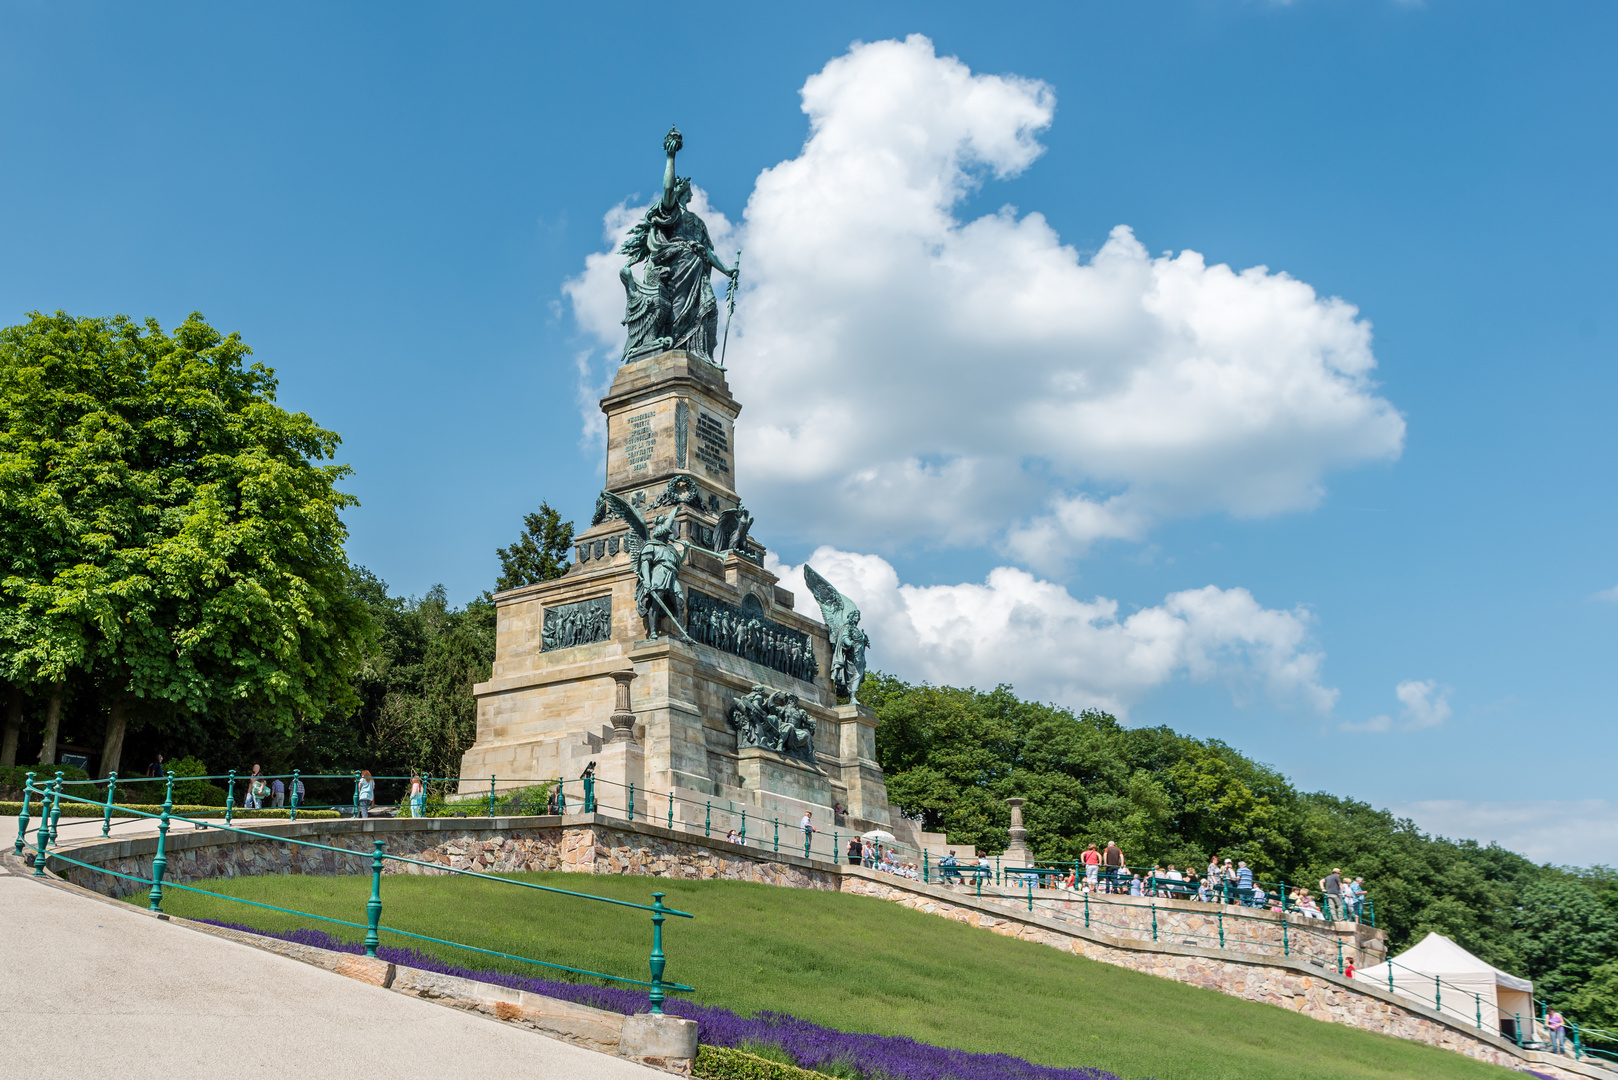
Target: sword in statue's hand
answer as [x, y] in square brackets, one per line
[730, 304]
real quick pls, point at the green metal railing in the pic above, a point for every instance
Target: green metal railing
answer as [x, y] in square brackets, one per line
[50, 798]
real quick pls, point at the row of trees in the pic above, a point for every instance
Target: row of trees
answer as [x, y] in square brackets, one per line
[172, 539]
[953, 756]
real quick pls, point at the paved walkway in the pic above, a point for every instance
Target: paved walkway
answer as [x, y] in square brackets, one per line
[92, 986]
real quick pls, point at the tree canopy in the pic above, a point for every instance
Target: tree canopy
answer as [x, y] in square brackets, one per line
[171, 536]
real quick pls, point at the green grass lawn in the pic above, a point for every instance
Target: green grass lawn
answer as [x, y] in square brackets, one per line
[856, 964]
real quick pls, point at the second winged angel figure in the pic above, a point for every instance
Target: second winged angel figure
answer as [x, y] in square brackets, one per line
[848, 641]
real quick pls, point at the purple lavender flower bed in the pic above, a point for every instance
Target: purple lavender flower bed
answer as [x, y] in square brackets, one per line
[879, 1057]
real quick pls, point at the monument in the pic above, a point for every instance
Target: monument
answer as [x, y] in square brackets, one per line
[667, 654]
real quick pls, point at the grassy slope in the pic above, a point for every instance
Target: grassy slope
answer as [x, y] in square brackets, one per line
[858, 964]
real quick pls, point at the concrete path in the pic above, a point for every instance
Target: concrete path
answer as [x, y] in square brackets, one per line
[96, 988]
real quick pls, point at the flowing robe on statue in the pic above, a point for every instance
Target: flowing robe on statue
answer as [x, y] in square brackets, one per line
[679, 245]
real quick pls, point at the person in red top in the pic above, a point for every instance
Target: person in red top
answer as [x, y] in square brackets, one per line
[1092, 866]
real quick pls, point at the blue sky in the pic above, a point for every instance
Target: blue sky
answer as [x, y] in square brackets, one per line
[389, 204]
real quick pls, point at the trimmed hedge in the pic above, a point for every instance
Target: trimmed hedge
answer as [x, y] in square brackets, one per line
[78, 809]
[723, 1063]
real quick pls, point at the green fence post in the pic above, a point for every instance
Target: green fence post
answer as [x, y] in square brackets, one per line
[808, 838]
[106, 815]
[1478, 1000]
[671, 810]
[707, 819]
[1086, 906]
[1390, 976]
[373, 906]
[997, 870]
[1221, 928]
[1031, 899]
[658, 960]
[1286, 945]
[56, 808]
[22, 818]
[1578, 1045]
[632, 800]
[777, 833]
[491, 795]
[1517, 1023]
[590, 794]
[230, 798]
[43, 837]
[1154, 920]
[1438, 994]
[744, 828]
[357, 792]
[160, 861]
[979, 876]
[1339, 956]
[293, 813]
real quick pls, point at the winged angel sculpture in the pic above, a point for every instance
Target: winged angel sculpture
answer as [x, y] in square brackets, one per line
[673, 306]
[848, 641]
[657, 558]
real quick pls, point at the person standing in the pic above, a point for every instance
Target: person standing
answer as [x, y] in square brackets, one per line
[1558, 1029]
[278, 793]
[1332, 887]
[418, 795]
[1113, 859]
[808, 824]
[254, 801]
[1092, 866]
[156, 767]
[367, 793]
[855, 850]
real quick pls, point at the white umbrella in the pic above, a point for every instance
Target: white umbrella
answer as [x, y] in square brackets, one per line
[878, 834]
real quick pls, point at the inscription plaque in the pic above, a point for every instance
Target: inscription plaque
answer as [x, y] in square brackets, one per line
[642, 441]
[713, 445]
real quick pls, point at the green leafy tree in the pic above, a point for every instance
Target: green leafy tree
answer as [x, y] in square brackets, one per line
[172, 537]
[540, 553]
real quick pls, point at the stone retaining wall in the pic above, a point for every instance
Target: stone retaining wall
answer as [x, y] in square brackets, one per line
[585, 845]
[1244, 930]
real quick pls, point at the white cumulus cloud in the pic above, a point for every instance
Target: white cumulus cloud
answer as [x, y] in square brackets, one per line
[1424, 704]
[1018, 629]
[911, 375]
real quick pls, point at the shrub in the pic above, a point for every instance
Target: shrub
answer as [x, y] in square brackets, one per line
[723, 1063]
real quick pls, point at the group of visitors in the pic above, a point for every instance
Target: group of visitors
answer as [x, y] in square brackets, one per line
[868, 852]
[1227, 881]
[271, 793]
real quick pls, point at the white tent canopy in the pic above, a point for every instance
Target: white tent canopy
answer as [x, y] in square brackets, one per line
[1436, 970]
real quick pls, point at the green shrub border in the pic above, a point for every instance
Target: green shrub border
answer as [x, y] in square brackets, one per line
[723, 1063]
[70, 809]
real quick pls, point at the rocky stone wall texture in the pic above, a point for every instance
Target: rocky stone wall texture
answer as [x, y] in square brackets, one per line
[1207, 926]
